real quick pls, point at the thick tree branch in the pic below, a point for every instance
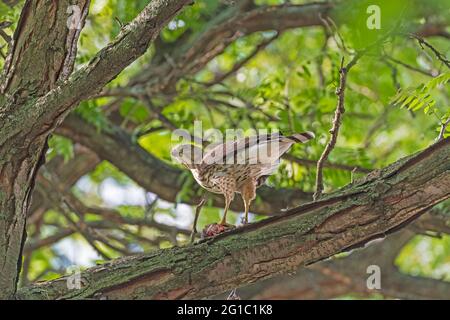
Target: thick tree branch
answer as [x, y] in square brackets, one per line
[201, 48]
[382, 202]
[348, 275]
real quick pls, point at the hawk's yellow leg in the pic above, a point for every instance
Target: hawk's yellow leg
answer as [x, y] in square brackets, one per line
[248, 193]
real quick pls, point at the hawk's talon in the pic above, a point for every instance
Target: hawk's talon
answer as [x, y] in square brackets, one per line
[230, 178]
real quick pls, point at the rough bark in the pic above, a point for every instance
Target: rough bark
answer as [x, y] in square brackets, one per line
[33, 67]
[370, 208]
[36, 97]
[348, 275]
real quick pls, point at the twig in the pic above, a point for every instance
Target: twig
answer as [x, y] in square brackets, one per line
[81, 228]
[165, 122]
[323, 52]
[340, 109]
[394, 74]
[10, 3]
[3, 34]
[119, 22]
[332, 29]
[438, 55]
[261, 46]
[58, 200]
[1, 52]
[197, 214]
[444, 126]
[410, 67]
[66, 206]
[327, 164]
[379, 123]
[288, 105]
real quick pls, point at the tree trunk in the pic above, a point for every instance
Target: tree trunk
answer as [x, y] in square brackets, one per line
[37, 94]
[33, 67]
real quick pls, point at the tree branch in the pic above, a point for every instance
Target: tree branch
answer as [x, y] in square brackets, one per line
[443, 129]
[260, 47]
[334, 131]
[42, 115]
[348, 275]
[436, 52]
[204, 46]
[381, 203]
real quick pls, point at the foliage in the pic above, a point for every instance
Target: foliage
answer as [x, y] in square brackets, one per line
[59, 145]
[280, 88]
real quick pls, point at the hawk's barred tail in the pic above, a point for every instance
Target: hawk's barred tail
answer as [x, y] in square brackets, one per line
[302, 137]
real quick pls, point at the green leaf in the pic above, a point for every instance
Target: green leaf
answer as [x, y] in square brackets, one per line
[59, 145]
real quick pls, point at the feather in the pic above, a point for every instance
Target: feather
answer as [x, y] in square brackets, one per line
[262, 149]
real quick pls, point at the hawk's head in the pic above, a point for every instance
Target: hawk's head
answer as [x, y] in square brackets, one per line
[188, 155]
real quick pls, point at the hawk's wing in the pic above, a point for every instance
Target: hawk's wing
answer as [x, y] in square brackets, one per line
[261, 149]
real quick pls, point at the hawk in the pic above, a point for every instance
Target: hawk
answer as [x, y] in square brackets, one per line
[239, 166]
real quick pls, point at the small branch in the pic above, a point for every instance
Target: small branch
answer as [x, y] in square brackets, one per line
[340, 109]
[327, 164]
[346, 220]
[410, 67]
[81, 228]
[332, 29]
[438, 55]
[61, 234]
[60, 202]
[165, 122]
[197, 214]
[1, 52]
[119, 22]
[394, 74]
[10, 3]
[3, 34]
[444, 126]
[323, 52]
[221, 77]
